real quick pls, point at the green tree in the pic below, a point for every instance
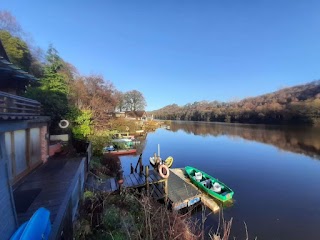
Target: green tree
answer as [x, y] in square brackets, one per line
[83, 124]
[53, 90]
[53, 81]
[54, 104]
[9, 24]
[17, 50]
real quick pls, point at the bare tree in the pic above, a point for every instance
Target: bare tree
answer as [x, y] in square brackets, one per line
[9, 23]
[119, 98]
[134, 100]
[95, 94]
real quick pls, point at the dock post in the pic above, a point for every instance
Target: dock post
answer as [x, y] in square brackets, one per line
[139, 160]
[203, 220]
[141, 166]
[141, 169]
[131, 168]
[166, 191]
[147, 181]
[120, 179]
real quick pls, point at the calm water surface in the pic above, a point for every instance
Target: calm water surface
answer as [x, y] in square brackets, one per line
[273, 170]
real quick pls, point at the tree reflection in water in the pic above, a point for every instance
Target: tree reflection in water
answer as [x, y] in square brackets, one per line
[297, 139]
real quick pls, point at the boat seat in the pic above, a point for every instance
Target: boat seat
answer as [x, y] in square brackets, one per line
[223, 193]
[198, 176]
[207, 183]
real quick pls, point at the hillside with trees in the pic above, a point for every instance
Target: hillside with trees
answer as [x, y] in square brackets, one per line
[292, 105]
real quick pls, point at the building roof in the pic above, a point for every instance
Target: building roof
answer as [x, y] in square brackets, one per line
[11, 75]
[135, 114]
[3, 52]
[140, 113]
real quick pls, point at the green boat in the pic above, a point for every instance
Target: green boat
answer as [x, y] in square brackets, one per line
[209, 184]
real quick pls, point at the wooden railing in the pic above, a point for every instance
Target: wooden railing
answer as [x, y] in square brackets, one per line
[12, 106]
[139, 163]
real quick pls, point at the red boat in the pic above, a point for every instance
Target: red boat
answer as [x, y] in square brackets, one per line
[122, 151]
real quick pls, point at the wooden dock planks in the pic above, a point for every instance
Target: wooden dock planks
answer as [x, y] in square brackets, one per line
[157, 191]
[140, 178]
[205, 199]
[133, 180]
[54, 179]
[180, 193]
[113, 184]
[127, 181]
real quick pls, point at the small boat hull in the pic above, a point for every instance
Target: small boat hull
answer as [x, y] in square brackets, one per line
[168, 162]
[37, 228]
[122, 152]
[209, 184]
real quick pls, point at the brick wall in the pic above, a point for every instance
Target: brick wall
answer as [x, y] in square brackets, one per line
[7, 213]
[55, 148]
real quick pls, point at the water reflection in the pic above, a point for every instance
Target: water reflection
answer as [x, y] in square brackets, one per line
[275, 191]
[297, 139]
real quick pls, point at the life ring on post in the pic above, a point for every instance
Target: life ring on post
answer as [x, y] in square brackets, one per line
[64, 124]
[163, 171]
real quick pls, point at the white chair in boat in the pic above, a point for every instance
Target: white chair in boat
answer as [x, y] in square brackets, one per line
[198, 176]
[216, 187]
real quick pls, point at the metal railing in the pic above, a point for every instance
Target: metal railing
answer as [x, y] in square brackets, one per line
[12, 106]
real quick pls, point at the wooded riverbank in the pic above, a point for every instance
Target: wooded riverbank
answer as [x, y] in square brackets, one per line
[294, 105]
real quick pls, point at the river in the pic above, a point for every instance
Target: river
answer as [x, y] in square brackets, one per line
[273, 170]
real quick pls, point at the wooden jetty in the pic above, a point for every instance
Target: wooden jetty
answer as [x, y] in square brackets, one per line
[177, 190]
[133, 180]
[205, 199]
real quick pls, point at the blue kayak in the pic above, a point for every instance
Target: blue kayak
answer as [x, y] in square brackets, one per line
[37, 228]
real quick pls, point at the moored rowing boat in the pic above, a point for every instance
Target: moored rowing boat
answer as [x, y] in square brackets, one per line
[209, 184]
[121, 151]
[168, 162]
[38, 227]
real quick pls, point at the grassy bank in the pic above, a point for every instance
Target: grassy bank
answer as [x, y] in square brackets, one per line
[129, 215]
[132, 214]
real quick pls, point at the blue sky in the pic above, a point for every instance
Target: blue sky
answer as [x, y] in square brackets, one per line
[182, 51]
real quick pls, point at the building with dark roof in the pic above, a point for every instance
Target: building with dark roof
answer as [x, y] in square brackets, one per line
[136, 115]
[23, 138]
[12, 78]
[29, 178]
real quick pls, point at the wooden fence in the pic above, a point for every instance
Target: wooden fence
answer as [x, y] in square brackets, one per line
[12, 106]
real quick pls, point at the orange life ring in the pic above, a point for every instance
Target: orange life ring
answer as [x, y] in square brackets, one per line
[163, 171]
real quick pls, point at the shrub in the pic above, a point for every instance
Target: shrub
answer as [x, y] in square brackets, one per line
[111, 218]
[111, 164]
[98, 143]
